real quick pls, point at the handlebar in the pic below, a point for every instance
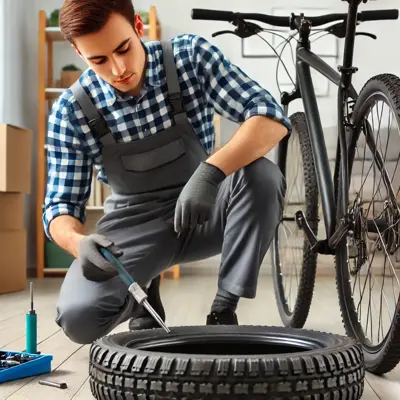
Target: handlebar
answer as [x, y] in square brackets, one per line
[229, 16]
[376, 15]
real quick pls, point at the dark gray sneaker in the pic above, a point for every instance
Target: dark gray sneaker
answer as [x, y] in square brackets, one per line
[141, 318]
[225, 317]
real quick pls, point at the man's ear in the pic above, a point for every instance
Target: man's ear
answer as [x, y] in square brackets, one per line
[139, 27]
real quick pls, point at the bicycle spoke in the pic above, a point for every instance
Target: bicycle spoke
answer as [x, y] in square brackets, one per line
[380, 301]
[374, 190]
[290, 259]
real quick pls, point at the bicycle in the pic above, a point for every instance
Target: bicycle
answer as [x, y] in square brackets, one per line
[348, 225]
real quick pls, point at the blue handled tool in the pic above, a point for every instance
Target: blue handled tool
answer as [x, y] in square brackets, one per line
[137, 292]
[31, 327]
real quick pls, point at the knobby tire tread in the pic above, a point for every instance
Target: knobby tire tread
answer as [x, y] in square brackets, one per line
[332, 375]
[389, 357]
[305, 292]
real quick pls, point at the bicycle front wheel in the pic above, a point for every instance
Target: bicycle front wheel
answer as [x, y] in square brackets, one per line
[368, 260]
[293, 263]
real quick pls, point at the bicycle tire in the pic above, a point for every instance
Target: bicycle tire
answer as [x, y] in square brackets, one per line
[381, 358]
[226, 362]
[297, 317]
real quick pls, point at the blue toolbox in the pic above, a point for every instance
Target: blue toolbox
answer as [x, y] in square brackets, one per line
[17, 365]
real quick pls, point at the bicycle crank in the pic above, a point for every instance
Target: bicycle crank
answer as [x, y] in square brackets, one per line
[318, 246]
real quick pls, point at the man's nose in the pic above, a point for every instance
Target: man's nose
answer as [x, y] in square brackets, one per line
[118, 67]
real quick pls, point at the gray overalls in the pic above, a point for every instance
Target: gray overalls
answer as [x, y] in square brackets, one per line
[146, 177]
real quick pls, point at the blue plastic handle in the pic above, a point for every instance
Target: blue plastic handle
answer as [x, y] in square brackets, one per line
[123, 273]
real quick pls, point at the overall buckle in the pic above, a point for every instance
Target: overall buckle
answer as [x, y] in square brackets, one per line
[175, 100]
[99, 127]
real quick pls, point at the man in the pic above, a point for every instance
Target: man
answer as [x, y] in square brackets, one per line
[142, 113]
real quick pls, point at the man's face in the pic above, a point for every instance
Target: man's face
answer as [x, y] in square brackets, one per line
[116, 53]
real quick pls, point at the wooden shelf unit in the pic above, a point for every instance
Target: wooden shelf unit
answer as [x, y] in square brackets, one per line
[47, 94]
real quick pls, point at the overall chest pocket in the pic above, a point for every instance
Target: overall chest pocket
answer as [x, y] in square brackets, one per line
[154, 159]
[148, 170]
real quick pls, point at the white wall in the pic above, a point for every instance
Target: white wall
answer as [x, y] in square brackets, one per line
[17, 85]
[14, 57]
[20, 85]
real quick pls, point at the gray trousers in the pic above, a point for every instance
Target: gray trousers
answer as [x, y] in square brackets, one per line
[241, 228]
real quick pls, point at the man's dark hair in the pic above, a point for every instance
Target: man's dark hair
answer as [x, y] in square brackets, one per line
[81, 17]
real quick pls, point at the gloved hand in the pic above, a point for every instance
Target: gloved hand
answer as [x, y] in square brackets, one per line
[95, 267]
[198, 197]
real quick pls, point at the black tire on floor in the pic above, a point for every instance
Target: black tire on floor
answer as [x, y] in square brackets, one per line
[226, 362]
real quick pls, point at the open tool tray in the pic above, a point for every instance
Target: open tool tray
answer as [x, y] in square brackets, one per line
[38, 364]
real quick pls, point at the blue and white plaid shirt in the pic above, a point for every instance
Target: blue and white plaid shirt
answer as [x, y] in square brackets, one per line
[209, 82]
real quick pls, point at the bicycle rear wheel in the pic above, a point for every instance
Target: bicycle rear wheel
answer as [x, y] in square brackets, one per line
[293, 263]
[368, 260]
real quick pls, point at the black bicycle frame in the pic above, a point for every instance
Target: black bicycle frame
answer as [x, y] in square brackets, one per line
[304, 88]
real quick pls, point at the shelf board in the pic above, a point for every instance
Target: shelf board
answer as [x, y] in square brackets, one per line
[94, 208]
[52, 93]
[54, 34]
[54, 271]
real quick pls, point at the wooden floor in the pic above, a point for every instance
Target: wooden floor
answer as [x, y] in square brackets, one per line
[187, 301]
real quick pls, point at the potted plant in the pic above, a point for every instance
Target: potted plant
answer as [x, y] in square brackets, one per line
[69, 74]
[53, 19]
[145, 17]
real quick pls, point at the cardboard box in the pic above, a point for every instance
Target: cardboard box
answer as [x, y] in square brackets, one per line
[11, 211]
[15, 159]
[13, 277]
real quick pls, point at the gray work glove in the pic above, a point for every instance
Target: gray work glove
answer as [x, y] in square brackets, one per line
[94, 265]
[197, 199]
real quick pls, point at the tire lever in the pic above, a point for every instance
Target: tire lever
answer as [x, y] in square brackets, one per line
[134, 288]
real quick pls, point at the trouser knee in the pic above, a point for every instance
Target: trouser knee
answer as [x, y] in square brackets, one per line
[267, 184]
[79, 323]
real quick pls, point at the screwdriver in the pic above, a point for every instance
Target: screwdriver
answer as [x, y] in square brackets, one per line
[137, 292]
[31, 327]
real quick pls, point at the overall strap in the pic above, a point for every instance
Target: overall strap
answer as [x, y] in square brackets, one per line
[96, 122]
[174, 92]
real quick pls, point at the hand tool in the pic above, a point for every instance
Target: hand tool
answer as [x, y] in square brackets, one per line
[8, 363]
[62, 385]
[138, 293]
[20, 358]
[31, 327]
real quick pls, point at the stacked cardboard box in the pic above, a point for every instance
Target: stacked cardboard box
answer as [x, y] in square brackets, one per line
[15, 183]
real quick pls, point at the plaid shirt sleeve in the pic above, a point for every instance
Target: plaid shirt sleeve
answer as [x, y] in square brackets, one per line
[69, 167]
[232, 93]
